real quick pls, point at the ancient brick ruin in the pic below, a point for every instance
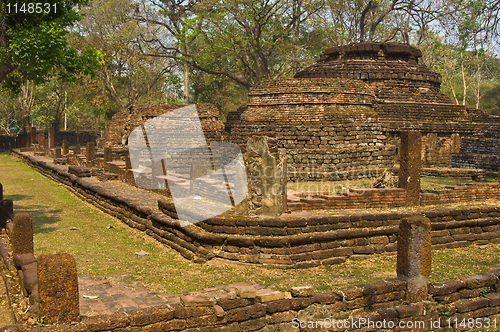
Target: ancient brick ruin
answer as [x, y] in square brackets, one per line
[349, 108]
[123, 123]
[481, 150]
[343, 113]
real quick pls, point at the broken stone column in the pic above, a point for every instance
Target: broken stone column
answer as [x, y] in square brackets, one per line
[58, 153]
[455, 143]
[108, 154]
[90, 151]
[52, 137]
[41, 141]
[33, 135]
[21, 238]
[58, 288]
[65, 147]
[284, 178]
[414, 256]
[128, 163]
[6, 212]
[128, 175]
[77, 149]
[410, 165]
[265, 173]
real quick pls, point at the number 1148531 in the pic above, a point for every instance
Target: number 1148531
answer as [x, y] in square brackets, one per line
[31, 8]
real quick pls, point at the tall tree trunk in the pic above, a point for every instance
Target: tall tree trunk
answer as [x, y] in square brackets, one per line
[26, 100]
[478, 81]
[186, 76]
[65, 109]
[464, 82]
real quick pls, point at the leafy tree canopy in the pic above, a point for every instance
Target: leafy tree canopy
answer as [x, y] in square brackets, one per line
[33, 42]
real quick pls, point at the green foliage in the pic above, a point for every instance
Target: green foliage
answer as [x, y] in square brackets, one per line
[40, 320]
[34, 44]
[226, 94]
[248, 41]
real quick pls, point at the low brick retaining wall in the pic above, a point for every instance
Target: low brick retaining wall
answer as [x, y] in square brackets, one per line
[468, 192]
[392, 197]
[354, 199]
[468, 300]
[290, 241]
[458, 173]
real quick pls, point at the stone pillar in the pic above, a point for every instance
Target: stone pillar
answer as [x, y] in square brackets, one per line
[90, 151]
[58, 288]
[33, 135]
[108, 154]
[414, 256]
[128, 175]
[284, 178]
[6, 212]
[65, 147]
[128, 163]
[21, 238]
[41, 140]
[455, 143]
[264, 179]
[77, 149]
[58, 153]
[52, 137]
[410, 165]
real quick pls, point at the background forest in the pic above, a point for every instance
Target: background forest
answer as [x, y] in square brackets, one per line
[81, 64]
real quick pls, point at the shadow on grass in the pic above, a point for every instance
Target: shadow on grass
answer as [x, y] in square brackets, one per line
[42, 219]
[16, 198]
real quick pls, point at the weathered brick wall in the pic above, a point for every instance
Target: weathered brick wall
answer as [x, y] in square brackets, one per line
[353, 199]
[479, 151]
[72, 137]
[468, 192]
[374, 63]
[11, 142]
[374, 306]
[286, 241]
[393, 197]
[383, 82]
[124, 122]
[326, 125]
[437, 149]
[461, 304]
[455, 173]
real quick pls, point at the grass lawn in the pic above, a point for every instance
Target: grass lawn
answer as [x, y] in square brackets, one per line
[103, 245]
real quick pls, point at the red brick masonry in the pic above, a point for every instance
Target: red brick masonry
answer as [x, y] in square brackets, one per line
[290, 241]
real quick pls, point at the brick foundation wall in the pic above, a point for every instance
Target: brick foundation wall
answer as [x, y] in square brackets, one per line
[479, 151]
[473, 297]
[124, 122]
[326, 125]
[354, 199]
[73, 138]
[468, 192]
[285, 242]
[391, 197]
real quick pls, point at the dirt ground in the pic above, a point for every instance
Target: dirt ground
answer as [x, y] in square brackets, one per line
[6, 315]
